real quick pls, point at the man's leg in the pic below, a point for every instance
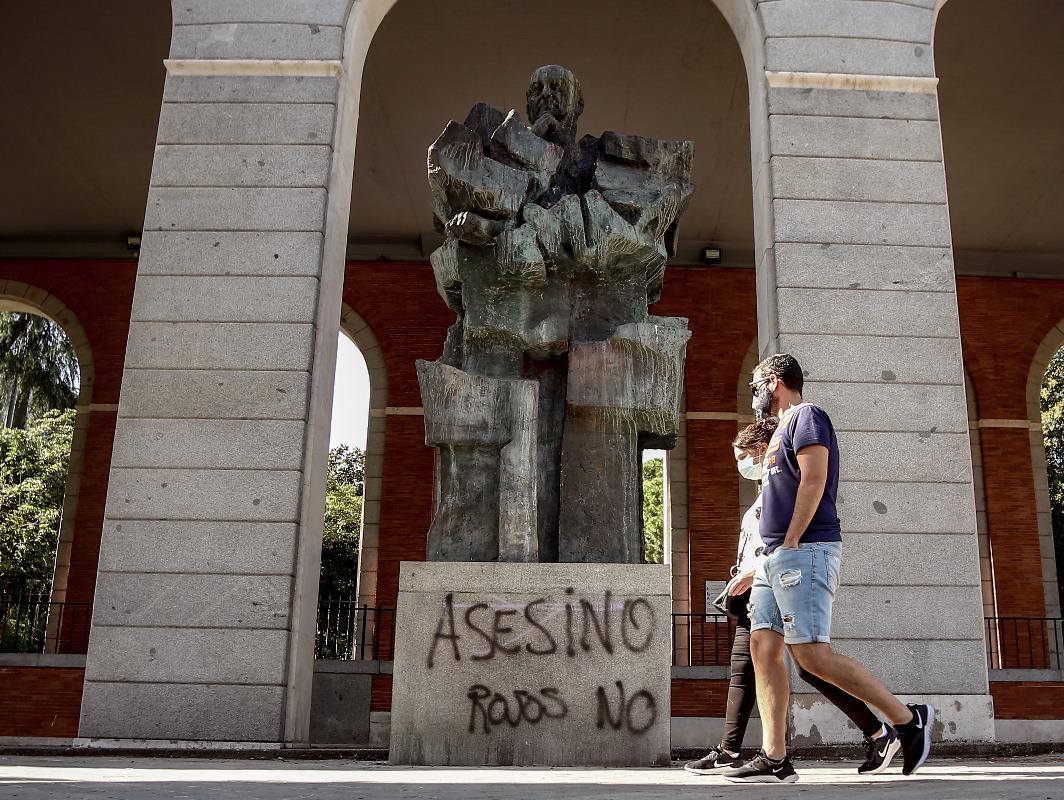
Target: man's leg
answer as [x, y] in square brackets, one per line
[773, 690]
[850, 676]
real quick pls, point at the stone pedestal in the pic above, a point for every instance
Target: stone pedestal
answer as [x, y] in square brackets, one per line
[532, 664]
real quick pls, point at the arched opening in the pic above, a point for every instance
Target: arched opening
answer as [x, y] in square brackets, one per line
[682, 76]
[1001, 120]
[347, 610]
[1045, 413]
[47, 384]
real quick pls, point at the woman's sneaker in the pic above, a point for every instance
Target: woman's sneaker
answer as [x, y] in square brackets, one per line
[716, 760]
[880, 751]
[915, 737]
[762, 769]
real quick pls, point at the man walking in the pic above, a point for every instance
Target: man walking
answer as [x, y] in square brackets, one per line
[793, 592]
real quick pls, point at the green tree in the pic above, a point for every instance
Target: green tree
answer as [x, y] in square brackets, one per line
[654, 510]
[342, 526]
[38, 368]
[33, 472]
[1053, 431]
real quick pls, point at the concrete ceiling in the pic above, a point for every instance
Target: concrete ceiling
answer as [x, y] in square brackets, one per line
[80, 101]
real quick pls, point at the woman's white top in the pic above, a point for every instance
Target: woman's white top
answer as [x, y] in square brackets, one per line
[750, 554]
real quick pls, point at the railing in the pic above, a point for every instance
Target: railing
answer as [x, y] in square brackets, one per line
[1024, 642]
[348, 631]
[34, 624]
[702, 640]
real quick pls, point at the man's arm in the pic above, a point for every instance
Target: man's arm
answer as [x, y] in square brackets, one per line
[813, 463]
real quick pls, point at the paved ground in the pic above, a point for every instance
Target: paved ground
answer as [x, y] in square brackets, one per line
[75, 778]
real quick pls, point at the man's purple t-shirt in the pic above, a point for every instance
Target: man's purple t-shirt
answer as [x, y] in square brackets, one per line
[803, 425]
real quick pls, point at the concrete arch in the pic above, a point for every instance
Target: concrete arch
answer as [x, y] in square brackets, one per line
[358, 331]
[24, 298]
[1050, 345]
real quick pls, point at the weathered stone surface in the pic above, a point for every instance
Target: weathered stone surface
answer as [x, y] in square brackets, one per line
[901, 457]
[578, 687]
[204, 494]
[914, 224]
[214, 394]
[853, 103]
[186, 655]
[908, 508]
[270, 40]
[250, 253]
[873, 313]
[863, 266]
[871, 612]
[185, 546]
[225, 299]
[876, 359]
[859, 179]
[246, 123]
[892, 406]
[310, 12]
[299, 166]
[871, 19]
[920, 666]
[339, 707]
[879, 559]
[248, 89]
[190, 712]
[235, 209]
[246, 602]
[848, 56]
[209, 443]
[224, 346]
[842, 137]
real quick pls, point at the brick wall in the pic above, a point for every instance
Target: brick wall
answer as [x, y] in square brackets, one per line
[40, 701]
[1003, 321]
[100, 294]
[699, 698]
[1028, 699]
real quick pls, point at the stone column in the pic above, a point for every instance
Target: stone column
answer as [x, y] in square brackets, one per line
[856, 279]
[205, 605]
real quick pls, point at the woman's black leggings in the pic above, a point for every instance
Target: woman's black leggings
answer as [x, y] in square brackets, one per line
[742, 694]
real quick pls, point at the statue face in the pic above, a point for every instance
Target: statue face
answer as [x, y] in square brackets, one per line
[555, 90]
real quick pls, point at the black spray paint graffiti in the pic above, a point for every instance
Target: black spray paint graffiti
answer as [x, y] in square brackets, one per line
[509, 629]
[526, 707]
[637, 717]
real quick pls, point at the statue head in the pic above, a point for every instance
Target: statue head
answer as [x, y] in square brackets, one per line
[555, 90]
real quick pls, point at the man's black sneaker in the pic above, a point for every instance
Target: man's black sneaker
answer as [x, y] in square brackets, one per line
[915, 737]
[762, 769]
[716, 760]
[879, 752]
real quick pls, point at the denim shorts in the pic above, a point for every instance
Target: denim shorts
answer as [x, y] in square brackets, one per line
[794, 590]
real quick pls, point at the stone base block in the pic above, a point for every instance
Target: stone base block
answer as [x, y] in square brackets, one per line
[532, 664]
[958, 718]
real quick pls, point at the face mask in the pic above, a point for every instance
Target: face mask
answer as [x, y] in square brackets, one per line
[749, 469]
[762, 402]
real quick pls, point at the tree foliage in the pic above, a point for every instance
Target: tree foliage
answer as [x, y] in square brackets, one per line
[1053, 431]
[654, 510]
[33, 473]
[342, 527]
[38, 368]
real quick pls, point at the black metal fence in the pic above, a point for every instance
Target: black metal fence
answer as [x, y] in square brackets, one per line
[348, 631]
[1024, 642]
[35, 624]
[702, 640]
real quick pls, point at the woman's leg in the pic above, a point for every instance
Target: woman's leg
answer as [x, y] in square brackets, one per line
[854, 708]
[742, 694]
